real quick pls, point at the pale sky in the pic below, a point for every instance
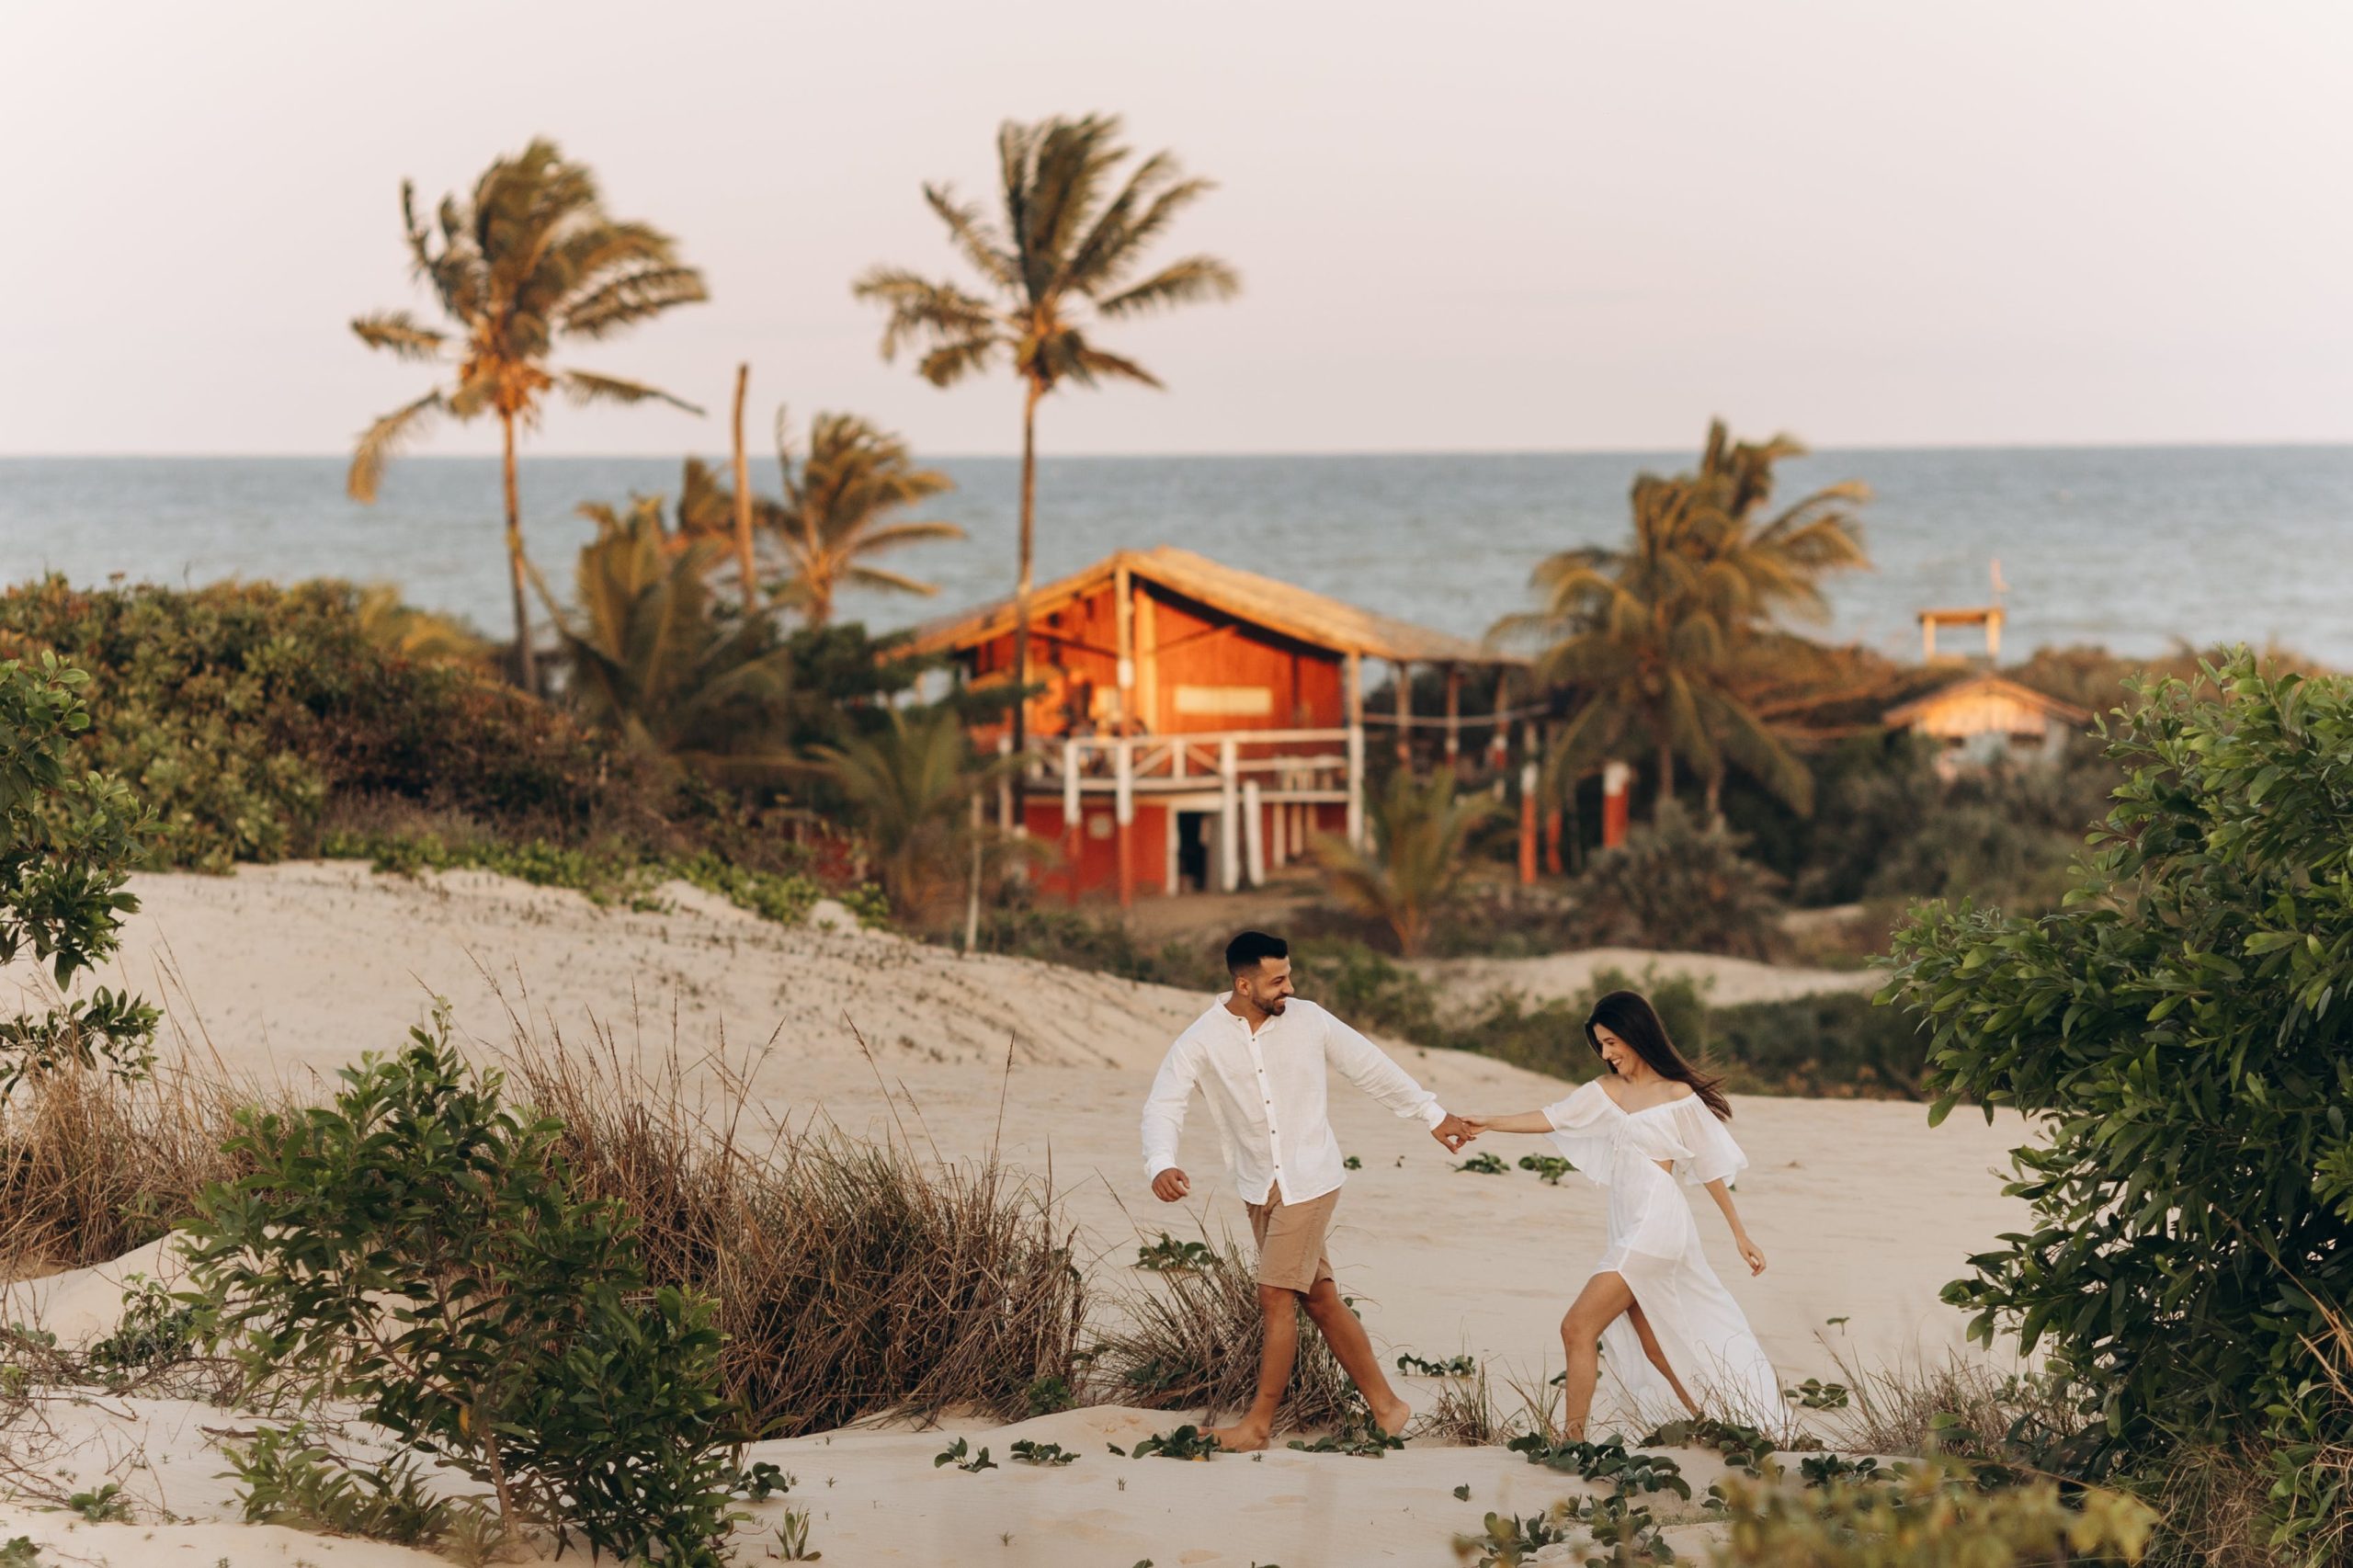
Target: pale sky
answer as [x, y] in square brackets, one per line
[1461, 226]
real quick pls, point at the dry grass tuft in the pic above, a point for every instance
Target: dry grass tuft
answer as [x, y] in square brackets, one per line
[1188, 1340]
[93, 1165]
[851, 1280]
[1466, 1413]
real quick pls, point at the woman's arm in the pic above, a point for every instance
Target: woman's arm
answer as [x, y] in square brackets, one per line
[1749, 1254]
[1518, 1122]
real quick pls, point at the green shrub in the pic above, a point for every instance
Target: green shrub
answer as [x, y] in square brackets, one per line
[2178, 1031]
[67, 845]
[1678, 885]
[1933, 1517]
[1835, 1045]
[285, 1479]
[237, 711]
[418, 1249]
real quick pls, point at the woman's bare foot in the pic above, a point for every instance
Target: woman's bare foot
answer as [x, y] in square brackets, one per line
[1392, 1418]
[1241, 1438]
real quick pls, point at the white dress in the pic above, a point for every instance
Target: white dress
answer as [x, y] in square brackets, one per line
[1654, 1246]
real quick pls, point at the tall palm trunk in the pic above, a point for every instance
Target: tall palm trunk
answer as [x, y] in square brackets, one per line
[1022, 586]
[526, 674]
[744, 497]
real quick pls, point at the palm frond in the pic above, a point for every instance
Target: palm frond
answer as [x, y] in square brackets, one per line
[1094, 364]
[587, 387]
[382, 440]
[882, 580]
[1186, 282]
[631, 298]
[981, 245]
[398, 331]
[921, 309]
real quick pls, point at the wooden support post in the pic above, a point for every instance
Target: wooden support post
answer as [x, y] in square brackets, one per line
[1073, 839]
[1617, 804]
[1499, 737]
[1005, 787]
[1124, 617]
[1254, 849]
[1278, 850]
[1527, 821]
[1229, 818]
[1355, 748]
[1404, 714]
[1124, 811]
[1453, 714]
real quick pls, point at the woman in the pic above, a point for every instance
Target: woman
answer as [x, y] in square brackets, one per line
[1673, 1332]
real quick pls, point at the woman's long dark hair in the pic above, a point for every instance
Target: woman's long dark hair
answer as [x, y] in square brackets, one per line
[1630, 1015]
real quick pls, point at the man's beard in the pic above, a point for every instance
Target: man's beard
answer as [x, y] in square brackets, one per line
[1274, 1009]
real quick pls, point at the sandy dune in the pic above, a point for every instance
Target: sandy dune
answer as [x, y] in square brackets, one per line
[294, 970]
[1725, 981]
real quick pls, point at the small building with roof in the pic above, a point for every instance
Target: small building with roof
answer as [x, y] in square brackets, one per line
[1984, 719]
[1193, 724]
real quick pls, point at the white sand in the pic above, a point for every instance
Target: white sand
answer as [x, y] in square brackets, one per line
[293, 970]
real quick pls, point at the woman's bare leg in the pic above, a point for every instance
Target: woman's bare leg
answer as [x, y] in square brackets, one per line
[1658, 1358]
[1604, 1296]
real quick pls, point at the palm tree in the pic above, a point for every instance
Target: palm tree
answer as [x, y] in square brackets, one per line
[832, 518]
[910, 788]
[1061, 249]
[1416, 863]
[651, 662]
[530, 258]
[1656, 637]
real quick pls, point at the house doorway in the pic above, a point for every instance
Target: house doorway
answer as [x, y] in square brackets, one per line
[1196, 837]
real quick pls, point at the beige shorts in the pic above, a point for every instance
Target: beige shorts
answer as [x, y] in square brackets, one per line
[1291, 1240]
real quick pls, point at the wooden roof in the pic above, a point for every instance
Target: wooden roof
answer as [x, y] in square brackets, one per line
[1986, 686]
[1295, 612]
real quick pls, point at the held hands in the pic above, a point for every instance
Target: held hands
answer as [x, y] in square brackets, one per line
[1170, 1186]
[1750, 1255]
[1455, 1132]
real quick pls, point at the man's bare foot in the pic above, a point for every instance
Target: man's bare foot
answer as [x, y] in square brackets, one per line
[1241, 1438]
[1392, 1418]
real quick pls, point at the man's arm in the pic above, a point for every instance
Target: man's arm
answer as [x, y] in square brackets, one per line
[1164, 1120]
[1368, 1067]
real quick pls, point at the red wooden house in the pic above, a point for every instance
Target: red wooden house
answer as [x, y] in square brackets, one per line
[1195, 723]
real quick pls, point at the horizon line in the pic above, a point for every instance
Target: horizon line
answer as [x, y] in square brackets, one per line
[2250, 444]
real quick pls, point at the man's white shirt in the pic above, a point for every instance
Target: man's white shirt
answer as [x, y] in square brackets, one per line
[1266, 1094]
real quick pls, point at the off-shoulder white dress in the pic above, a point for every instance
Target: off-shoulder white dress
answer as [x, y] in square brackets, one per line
[1654, 1246]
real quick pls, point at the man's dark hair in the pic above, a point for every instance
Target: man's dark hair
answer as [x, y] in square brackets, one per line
[1243, 953]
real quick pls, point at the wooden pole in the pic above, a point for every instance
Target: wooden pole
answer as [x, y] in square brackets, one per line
[972, 896]
[1073, 844]
[1527, 821]
[1124, 810]
[1254, 846]
[1404, 714]
[1453, 714]
[1123, 598]
[1229, 818]
[1355, 748]
[744, 499]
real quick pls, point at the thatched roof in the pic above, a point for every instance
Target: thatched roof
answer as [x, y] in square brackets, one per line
[1295, 612]
[1985, 686]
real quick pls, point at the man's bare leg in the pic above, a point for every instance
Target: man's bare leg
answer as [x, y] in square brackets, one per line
[1279, 1310]
[1347, 1336]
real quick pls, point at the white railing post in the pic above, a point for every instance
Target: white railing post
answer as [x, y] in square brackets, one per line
[1070, 786]
[1254, 849]
[1124, 812]
[1229, 836]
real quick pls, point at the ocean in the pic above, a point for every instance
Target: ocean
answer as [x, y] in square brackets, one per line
[2137, 548]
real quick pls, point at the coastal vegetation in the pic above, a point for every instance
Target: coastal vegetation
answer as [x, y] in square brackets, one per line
[530, 260]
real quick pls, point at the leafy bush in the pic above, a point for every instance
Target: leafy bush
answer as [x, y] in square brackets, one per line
[1835, 1045]
[288, 1479]
[1675, 884]
[2178, 1028]
[236, 711]
[1930, 1519]
[419, 1249]
[67, 845]
[1414, 862]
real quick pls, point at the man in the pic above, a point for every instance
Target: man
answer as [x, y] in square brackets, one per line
[1259, 1056]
